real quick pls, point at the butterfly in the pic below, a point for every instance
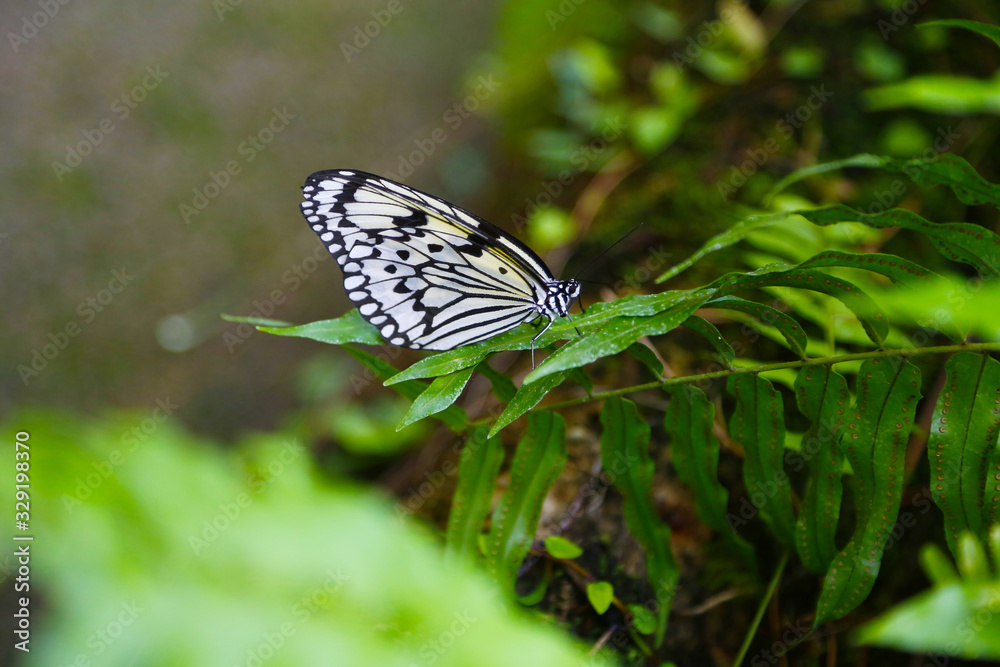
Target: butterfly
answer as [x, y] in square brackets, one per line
[428, 274]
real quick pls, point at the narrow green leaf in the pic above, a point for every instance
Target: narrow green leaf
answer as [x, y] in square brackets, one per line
[348, 328]
[937, 93]
[503, 386]
[625, 456]
[850, 295]
[958, 241]
[600, 594]
[612, 338]
[256, 321]
[973, 563]
[758, 423]
[560, 547]
[895, 268]
[538, 460]
[597, 318]
[479, 465]
[710, 333]
[647, 358]
[860, 160]
[441, 393]
[962, 444]
[984, 29]
[789, 328]
[453, 416]
[695, 453]
[945, 169]
[731, 236]
[939, 568]
[527, 397]
[821, 394]
[877, 429]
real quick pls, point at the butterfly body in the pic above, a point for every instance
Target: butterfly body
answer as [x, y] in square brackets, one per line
[428, 274]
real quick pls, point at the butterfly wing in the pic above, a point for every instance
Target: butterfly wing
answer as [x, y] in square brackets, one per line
[426, 273]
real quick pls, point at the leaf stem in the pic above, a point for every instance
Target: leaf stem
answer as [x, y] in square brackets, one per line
[818, 361]
[768, 594]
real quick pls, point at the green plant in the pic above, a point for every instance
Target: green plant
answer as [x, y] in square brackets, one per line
[822, 431]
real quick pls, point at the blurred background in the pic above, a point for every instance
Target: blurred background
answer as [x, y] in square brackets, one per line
[151, 159]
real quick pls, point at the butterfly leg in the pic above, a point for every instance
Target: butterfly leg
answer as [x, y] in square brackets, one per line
[537, 335]
[578, 333]
[579, 300]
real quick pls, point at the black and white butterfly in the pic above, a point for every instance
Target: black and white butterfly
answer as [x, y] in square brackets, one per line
[427, 274]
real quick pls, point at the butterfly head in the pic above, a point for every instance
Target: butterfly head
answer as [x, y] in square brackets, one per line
[560, 295]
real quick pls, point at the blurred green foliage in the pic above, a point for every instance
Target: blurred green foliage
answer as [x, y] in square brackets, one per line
[161, 549]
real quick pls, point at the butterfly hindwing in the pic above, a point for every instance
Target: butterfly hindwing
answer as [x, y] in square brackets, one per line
[425, 273]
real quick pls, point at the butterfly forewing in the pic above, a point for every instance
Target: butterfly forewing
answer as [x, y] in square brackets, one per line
[426, 273]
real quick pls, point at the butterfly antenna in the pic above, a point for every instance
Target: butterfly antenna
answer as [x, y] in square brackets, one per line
[606, 251]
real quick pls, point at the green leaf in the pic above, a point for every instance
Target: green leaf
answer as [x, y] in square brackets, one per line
[348, 328]
[695, 453]
[479, 465]
[527, 397]
[950, 620]
[256, 321]
[877, 429]
[962, 446]
[538, 460]
[600, 594]
[643, 621]
[984, 29]
[821, 394]
[710, 333]
[503, 386]
[758, 423]
[945, 169]
[597, 318]
[850, 295]
[731, 236]
[613, 337]
[939, 568]
[958, 241]
[789, 328]
[957, 617]
[453, 416]
[860, 160]
[945, 94]
[560, 547]
[647, 358]
[441, 393]
[626, 460]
